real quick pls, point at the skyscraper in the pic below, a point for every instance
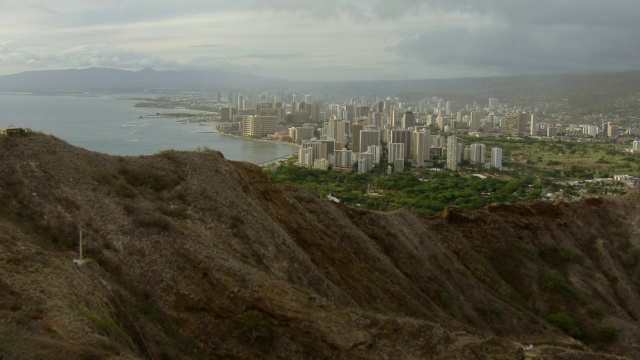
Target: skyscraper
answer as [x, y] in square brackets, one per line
[369, 136]
[421, 147]
[396, 152]
[355, 137]
[496, 158]
[454, 145]
[534, 125]
[474, 122]
[404, 137]
[516, 124]
[477, 154]
[408, 120]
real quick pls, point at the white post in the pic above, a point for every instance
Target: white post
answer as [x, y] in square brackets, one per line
[80, 261]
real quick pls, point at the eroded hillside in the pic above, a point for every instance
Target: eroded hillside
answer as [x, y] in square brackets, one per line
[192, 256]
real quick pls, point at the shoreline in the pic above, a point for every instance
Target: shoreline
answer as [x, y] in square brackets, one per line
[216, 131]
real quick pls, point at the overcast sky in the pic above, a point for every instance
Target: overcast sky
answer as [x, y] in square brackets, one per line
[324, 39]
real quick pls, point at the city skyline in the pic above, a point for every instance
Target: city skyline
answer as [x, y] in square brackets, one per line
[309, 40]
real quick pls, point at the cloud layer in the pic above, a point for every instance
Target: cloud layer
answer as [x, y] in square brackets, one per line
[321, 40]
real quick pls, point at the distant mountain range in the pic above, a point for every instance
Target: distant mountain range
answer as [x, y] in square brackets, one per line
[607, 84]
[115, 79]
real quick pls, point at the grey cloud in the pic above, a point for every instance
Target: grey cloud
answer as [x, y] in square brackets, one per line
[276, 56]
[37, 7]
[81, 57]
[522, 36]
[318, 10]
[551, 49]
[207, 46]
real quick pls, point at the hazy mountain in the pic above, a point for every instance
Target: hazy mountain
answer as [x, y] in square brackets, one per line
[588, 87]
[190, 256]
[114, 79]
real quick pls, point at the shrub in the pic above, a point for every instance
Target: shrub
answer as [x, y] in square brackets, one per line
[554, 281]
[565, 323]
[254, 327]
[150, 178]
[595, 312]
[608, 334]
[109, 328]
[152, 220]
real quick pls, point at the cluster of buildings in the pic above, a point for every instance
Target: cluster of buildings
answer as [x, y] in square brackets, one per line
[359, 133]
[635, 147]
[362, 142]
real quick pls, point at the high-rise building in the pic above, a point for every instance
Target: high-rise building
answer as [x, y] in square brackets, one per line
[454, 147]
[355, 137]
[442, 122]
[496, 158]
[319, 149]
[341, 133]
[408, 120]
[591, 130]
[421, 147]
[396, 152]
[611, 129]
[343, 158]
[401, 136]
[474, 122]
[365, 163]
[516, 124]
[636, 144]
[552, 131]
[369, 136]
[493, 103]
[259, 125]
[376, 150]
[477, 154]
[534, 125]
[305, 157]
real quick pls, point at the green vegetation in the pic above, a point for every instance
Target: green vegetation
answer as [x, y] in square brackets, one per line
[152, 220]
[607, 334]
[427, 194]
[562, 160]
[109, 328]
[254, 327]
[533, 168]
[145, 176]
[565, 323]
[556, 282]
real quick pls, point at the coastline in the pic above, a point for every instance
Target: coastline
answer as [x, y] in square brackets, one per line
[216, 131]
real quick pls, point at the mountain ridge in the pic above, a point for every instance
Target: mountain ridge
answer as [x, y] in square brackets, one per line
[552, 86]
[194, 256]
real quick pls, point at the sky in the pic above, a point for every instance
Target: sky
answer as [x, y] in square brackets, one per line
[324, 39]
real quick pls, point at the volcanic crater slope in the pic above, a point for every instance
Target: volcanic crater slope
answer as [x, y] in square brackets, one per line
[191, 256]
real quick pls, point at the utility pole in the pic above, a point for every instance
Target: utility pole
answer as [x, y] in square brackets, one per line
[80, 261]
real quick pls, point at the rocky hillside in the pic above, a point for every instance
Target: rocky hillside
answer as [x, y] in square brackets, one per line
[190, 256]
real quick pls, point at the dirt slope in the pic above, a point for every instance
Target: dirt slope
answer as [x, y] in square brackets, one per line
[192, 256]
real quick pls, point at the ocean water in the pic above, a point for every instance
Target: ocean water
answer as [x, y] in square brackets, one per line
[108, 125]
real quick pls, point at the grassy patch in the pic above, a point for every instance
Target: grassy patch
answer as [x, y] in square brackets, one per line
[152, 220]
[145, 176]
[109, 328]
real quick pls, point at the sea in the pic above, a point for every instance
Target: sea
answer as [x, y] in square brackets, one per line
[111, 124]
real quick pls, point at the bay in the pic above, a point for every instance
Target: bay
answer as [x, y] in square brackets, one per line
[113, 126]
